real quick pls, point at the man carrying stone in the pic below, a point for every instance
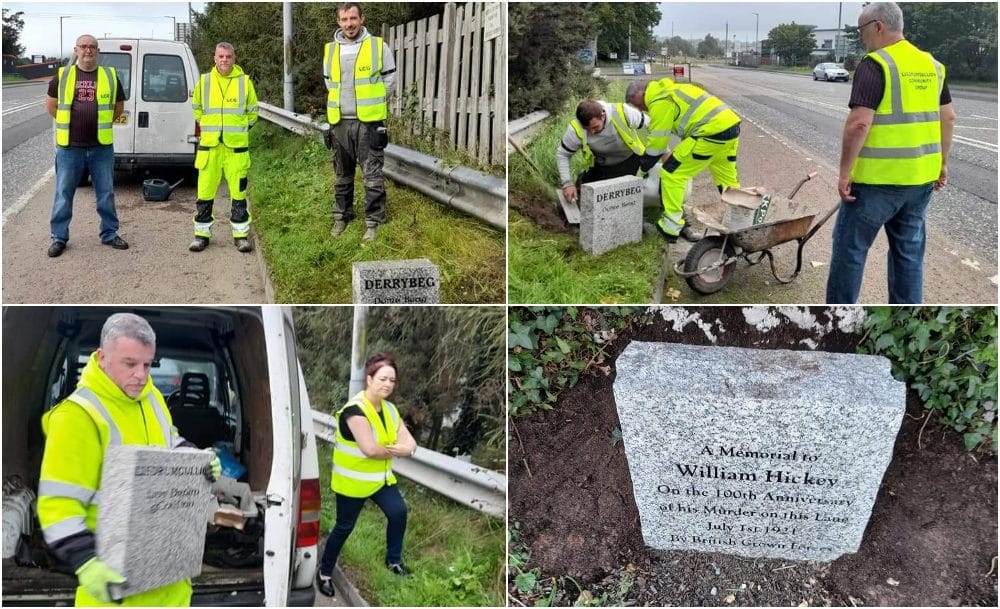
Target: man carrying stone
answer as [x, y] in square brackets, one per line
[225, 106]
[607, 152]
[115, 402]
[894, 154]
[709, 132]
[85, 100]
[360, 75]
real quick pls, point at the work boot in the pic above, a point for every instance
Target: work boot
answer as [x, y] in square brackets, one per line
[118, 243]
[397, 568]
[370, 233]
[670, 238]
[56, 249]
[243, 244]
[325, 585]
[338, 228]
[691, 234]
[199, 244]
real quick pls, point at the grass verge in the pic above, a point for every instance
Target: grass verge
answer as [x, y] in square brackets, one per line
[456, 554]
[13, 78]
[291, 183]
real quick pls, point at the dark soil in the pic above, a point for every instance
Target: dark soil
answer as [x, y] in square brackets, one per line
[933, 530]
[545, 213]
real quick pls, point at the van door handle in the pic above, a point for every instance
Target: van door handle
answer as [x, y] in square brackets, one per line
[274, 499]
[143, 119]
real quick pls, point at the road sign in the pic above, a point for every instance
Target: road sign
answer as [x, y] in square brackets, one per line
[679, 71]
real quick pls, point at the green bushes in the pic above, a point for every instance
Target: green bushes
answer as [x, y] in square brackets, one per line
[948, 355]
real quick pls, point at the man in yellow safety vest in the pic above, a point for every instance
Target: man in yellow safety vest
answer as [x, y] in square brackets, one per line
[85, 100]
[894, 154]
[360, 75]
[607, 153]
[225, 106]
[710, 137]
[115, 402]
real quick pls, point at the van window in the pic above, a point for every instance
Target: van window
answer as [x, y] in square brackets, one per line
[122, 63]
[164, 79]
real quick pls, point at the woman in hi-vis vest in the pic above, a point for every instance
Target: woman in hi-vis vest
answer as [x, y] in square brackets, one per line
[369, 434]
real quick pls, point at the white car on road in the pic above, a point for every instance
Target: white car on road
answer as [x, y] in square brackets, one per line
[830, 71]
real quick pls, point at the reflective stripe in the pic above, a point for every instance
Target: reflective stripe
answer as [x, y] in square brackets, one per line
[196, 106]
[64, 528]
[654, 151]
[371, 80]
[709, 116]
[206, 91]
[104, 126]
[897, 116]
[228, 110]
[161, 418]
[332, 104]
[88, 396]
[374, 101]
[350, 473]
[64, 106]
[225, 129]
[241, 100]
[332, 85]
[52, 488]
[906, 117]
[105, 107]
[900, 153]
[660, 133]
[350, 450]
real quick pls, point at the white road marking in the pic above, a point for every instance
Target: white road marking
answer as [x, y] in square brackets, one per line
[7, 111]
[13, 210]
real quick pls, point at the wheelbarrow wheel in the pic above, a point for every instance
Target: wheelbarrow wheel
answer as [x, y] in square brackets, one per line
[706, 253]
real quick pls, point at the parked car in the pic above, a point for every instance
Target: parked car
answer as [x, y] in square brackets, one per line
[255, 404]
[830, 71]
[157, 129]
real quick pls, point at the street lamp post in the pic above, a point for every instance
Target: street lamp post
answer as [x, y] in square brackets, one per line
[61, 55]
[756, 35]
[173, 33]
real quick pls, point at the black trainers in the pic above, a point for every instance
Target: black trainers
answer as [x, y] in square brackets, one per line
[199, 244]
[397, 568]
[118, 243]
[56, 249]
[325, 585]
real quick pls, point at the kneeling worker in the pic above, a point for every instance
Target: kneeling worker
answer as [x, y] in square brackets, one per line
[607, 153]
[709, 132]
[225, 105]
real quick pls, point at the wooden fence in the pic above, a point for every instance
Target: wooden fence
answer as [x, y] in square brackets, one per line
[452, 76]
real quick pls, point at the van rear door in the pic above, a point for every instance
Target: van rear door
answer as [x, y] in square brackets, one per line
[165, 83]
[121, 55]
[282, 512]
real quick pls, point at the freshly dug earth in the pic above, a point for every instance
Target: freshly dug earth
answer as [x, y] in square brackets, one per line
[542, 212]
[930, 540]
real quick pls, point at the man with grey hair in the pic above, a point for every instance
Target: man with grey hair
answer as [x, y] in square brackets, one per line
[115, 403]
[894, 154]
[225, 106]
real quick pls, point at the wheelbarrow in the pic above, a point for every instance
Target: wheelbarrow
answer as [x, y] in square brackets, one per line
[710, 263]
[157, 190]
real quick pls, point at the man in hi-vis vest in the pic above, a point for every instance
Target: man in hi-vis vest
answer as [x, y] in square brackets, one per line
[894, 154]
[225, 106]
[85, 100]
[360, 75]
[115, 403]
[607, 152]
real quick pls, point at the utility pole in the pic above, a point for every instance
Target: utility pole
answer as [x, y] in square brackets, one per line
[629, 42]
[725, 43]
[286, 20]
[61, 54]
[837, 37]
[756, 36]
[173, 35]
[359, 346]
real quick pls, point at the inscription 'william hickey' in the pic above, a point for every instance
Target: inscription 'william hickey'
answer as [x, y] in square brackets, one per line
[771, 475]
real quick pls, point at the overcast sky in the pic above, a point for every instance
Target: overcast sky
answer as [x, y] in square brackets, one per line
[102, 19]
[695, 19]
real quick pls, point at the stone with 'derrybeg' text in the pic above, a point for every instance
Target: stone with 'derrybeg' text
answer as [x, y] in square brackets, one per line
[610, 214]
[396, 282]
[757, 453]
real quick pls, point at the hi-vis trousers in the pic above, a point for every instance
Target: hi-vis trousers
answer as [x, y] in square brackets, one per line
[212, 164]
[687, 160]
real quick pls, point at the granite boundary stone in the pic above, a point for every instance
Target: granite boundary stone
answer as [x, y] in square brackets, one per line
[610, 213]
[415, 281]
[152, 521]
[757, 453]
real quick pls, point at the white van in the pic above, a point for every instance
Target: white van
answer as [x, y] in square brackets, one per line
[157, 129]
[256, 405]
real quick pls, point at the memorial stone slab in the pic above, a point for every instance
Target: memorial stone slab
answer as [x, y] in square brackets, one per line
[610, 214]
[757, 453]
[396, 282]
[152, 521]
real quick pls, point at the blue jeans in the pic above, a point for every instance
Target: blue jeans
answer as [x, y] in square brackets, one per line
[70, 164]
[390, 501]
[901, 210]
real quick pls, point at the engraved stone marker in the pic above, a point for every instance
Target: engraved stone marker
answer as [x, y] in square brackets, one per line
[396, 282]
[610, 214]
[758, 453]
[152, 521]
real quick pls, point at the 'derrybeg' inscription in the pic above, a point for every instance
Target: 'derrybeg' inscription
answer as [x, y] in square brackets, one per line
[610, 214]
[758, 453]
[396, 282]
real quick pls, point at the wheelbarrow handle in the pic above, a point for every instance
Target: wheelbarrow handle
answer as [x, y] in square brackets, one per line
[819, 224]
[801, 182]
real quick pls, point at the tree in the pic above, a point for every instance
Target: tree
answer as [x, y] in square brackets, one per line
[13, 24]
[792, 41]
[543, 67]
[678, 46]
[709, 47]
[962, 36]
[613, 21]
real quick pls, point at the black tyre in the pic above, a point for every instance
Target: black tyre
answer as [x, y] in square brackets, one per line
[705, 253]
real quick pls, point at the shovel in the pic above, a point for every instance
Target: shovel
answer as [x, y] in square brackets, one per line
[571, 210]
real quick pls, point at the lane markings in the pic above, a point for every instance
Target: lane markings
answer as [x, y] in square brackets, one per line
[13, 210]
[7, 111]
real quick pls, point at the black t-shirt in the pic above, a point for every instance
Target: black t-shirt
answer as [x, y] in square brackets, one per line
[83, 116]
[869, 86]
[355, 411]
